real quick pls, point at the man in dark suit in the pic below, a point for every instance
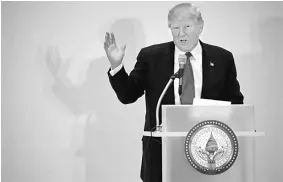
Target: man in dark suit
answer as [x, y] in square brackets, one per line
[214, 74]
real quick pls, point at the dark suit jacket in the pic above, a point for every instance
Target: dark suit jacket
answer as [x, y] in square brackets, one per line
[153, 69]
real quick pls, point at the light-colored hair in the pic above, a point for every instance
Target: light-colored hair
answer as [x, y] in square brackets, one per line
[182, 8]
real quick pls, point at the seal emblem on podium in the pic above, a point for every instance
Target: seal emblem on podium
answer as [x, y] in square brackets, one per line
[211, 147]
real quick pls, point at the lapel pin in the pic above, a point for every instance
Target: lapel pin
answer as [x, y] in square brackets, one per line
[211, 64]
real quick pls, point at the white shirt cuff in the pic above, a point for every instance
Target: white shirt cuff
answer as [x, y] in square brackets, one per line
[116, 70]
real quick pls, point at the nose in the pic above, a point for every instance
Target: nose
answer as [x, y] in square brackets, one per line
[181, 33]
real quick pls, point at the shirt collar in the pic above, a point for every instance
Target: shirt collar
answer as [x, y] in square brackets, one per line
[197, 50]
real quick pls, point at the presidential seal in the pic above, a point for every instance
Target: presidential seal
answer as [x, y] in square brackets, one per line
[211, 147]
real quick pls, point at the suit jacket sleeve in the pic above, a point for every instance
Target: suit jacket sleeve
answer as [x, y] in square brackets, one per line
[129, 88]
[232, 84]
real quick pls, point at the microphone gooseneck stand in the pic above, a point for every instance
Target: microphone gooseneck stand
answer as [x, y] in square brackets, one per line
[172, 78]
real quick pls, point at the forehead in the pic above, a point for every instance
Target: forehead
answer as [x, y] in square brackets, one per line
[183, 20]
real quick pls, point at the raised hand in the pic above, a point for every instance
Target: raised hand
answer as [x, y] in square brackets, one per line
[115, 54]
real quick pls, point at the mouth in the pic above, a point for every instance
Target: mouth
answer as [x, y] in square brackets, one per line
[183, 41]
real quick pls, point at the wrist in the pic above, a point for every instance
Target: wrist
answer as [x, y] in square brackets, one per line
[114, 65]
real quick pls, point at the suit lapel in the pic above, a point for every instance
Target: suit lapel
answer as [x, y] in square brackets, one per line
[207, 70]
[168, 67]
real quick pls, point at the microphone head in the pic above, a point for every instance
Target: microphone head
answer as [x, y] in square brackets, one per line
[182, 59]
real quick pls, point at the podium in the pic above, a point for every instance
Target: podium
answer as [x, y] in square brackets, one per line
[178, 120]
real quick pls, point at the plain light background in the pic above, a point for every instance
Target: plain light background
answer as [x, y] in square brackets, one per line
[61, 120]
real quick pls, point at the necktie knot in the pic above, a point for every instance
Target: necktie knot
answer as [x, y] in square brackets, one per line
[188, 54]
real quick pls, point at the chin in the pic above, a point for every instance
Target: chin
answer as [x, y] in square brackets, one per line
[184, 48]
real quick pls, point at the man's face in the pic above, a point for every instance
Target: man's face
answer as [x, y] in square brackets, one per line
[185, 31]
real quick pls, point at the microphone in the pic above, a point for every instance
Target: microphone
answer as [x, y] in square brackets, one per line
[182, 61]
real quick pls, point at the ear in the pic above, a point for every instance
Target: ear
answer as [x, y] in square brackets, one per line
[200, 29]
[169, 32]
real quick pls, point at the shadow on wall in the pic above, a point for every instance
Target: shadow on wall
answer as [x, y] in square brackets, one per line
[99, 138]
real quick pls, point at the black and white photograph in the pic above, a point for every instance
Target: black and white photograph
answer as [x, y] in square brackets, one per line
[141, 91]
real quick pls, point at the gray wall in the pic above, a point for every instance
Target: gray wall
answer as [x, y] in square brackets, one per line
[61, 121]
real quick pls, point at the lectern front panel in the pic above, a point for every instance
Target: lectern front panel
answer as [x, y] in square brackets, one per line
[177, 120]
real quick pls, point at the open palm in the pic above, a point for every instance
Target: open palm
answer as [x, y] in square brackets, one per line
[114, 53]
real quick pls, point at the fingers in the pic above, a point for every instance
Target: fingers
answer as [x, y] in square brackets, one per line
[113, 38]
[106, 45]
[106, 41]
[109, 40]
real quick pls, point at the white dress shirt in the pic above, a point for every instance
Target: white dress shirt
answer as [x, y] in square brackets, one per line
[196, 61]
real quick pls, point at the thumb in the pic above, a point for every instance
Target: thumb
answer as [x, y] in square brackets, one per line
[123, 47]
